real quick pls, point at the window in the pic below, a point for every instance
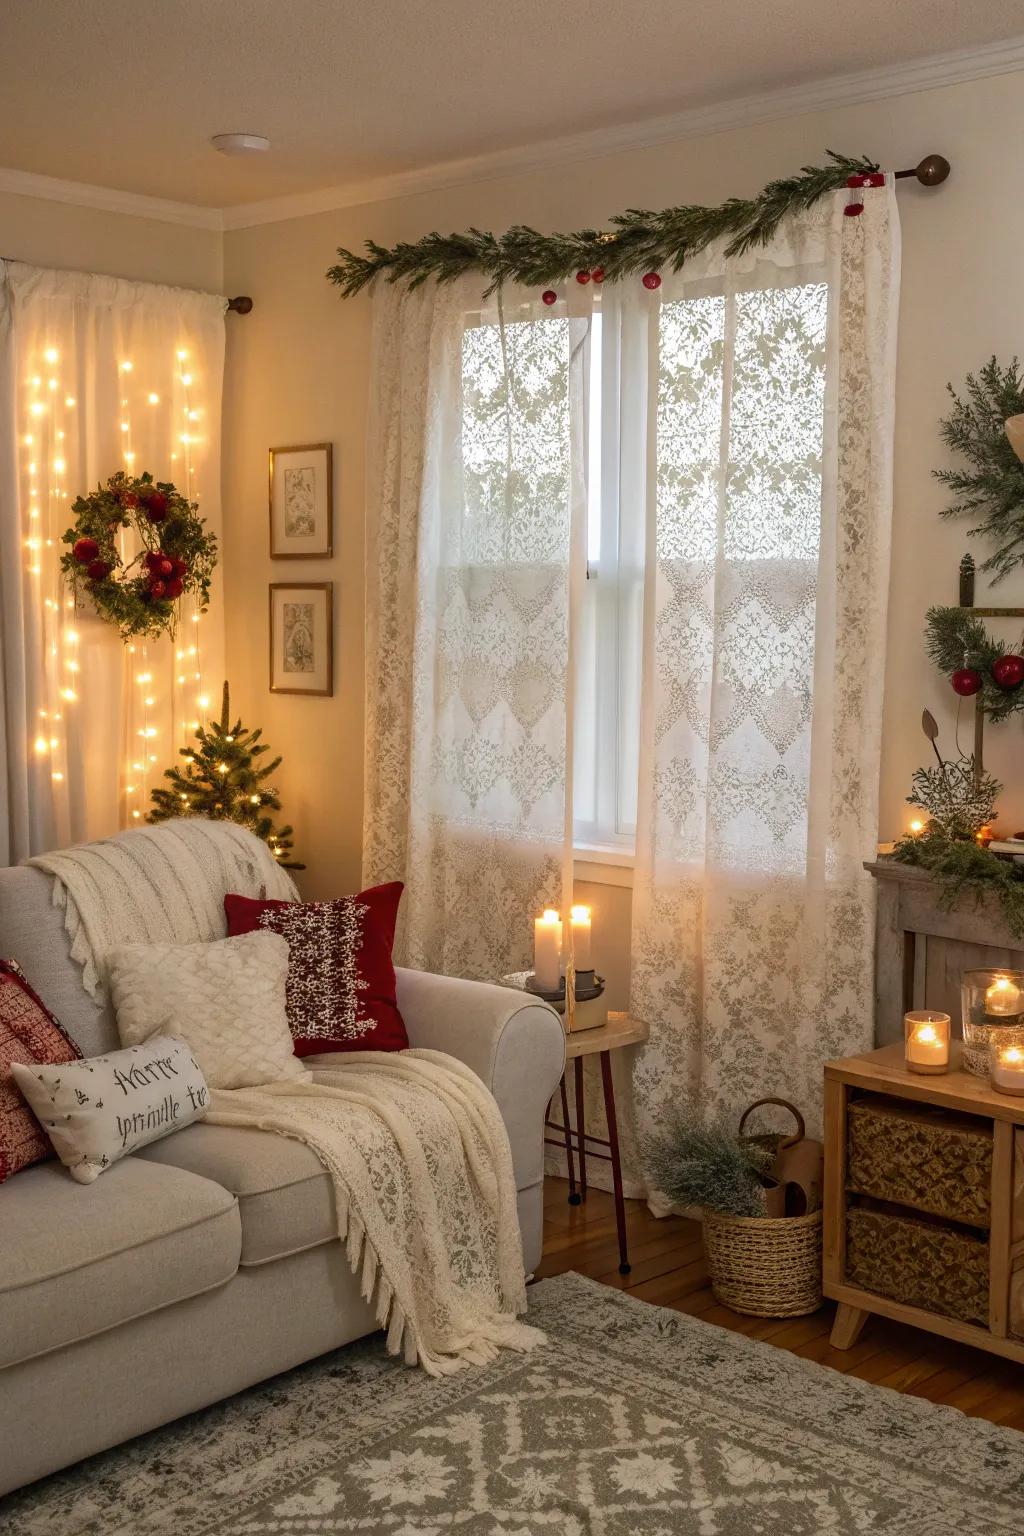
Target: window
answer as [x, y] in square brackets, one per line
[736, 424]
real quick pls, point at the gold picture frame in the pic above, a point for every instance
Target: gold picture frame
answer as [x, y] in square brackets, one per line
[301, 501]
[301, 635]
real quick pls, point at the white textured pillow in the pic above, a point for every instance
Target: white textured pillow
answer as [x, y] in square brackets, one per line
[100, 1109]
[226, 998]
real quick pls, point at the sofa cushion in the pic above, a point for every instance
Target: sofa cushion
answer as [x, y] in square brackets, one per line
[285, 1197]
[78, 1259]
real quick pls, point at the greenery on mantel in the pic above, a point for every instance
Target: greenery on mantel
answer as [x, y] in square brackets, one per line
[966, 868]
[640, 241]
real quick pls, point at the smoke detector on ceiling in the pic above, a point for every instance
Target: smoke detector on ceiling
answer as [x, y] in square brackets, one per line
[240, 143]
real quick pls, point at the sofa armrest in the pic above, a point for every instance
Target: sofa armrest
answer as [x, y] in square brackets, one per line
[514, 1042]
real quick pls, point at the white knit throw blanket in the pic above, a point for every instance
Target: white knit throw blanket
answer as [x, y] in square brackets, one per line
[161, 884]
[424, 1191]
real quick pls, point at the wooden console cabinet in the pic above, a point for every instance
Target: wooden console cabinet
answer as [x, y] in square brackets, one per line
[992, 1236]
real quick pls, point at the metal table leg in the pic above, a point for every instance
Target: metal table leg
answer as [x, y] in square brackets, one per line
[613, 1147]
[581, 1137]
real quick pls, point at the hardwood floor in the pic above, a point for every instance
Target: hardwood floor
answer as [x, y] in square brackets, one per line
[668, 1269]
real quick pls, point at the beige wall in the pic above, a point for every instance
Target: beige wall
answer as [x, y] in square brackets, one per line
[298, 373]
[51, 234]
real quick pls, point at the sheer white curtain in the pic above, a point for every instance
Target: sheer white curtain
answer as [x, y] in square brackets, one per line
[96, 375]
[476, 539]
[745, 467]
[769, 429]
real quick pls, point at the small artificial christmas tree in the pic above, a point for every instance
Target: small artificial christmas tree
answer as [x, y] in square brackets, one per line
[222, 779]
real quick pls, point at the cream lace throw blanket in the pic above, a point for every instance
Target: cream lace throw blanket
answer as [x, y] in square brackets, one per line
[414, 1143]
[424, 1191]
[157, 885]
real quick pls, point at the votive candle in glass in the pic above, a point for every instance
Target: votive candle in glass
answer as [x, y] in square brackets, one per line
[926, 1041]
[1006, 1060]
[547, 951]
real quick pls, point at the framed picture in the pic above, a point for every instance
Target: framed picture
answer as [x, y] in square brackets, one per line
[301, 502]
[301, 637]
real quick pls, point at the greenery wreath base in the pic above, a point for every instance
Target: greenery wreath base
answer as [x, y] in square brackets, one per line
[640, 241]
[176, 555]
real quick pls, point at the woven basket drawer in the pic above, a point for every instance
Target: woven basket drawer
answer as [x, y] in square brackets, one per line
[926, 1158]
[919, 1263]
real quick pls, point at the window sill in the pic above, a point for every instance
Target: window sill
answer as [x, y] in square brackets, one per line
[597, 865]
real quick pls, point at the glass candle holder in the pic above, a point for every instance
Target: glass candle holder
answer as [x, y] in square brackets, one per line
[1006, 1059]
[991, 1000]
[926, 1041]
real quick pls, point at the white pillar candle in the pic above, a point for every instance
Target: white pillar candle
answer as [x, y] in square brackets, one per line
[581, 939]
[1002, 998]
[926, 1041]
[1007, 1068]
[547, 951]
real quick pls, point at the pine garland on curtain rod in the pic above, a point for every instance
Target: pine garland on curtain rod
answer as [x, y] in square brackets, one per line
[641, 241]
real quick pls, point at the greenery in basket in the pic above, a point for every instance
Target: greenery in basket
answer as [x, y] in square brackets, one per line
[708, 1166]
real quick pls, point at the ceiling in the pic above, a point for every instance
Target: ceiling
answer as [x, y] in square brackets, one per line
[126, 93]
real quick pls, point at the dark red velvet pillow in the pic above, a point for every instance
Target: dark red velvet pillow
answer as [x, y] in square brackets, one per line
[28, 1033]
[341, 979]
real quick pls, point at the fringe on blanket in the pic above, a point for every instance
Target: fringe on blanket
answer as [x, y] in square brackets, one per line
[478, 1348]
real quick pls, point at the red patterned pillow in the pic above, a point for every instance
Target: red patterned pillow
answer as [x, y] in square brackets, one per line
[28, 1033]
[341, 979]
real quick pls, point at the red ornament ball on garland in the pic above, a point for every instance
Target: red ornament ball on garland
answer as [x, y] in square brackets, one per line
[549, 296]
[85, 550]
[1008, 672]
[152, 559]
[583, 277]
[967, 681]
[157, 588]
[179, 567]
[98, 570]
[853, 210]
[175, 587]
[597, 275]
[651, 280]
[156, 506]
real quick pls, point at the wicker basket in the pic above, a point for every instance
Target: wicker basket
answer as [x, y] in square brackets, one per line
[765, 1267]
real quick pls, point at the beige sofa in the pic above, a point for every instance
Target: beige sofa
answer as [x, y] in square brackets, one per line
[207, 1261]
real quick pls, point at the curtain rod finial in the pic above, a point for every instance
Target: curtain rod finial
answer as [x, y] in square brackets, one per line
[240, 306]
[930, 172]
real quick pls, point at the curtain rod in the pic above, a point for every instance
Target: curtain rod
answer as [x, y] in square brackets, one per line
[242, 305]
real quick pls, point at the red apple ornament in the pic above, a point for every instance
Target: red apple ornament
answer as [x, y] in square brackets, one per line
[156, 506]
[175, 587]
[1008, 672]
[549, 296]
[651, 280]
[98, 570]
[967, 681]
[157, 589]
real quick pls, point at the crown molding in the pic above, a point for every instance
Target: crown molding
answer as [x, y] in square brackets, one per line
[850, 89]
[83, 194]
[846, 90]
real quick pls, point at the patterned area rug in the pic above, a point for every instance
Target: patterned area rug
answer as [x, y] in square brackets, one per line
[633, 1421]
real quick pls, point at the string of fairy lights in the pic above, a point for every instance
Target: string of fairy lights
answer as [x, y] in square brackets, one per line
[165, 676]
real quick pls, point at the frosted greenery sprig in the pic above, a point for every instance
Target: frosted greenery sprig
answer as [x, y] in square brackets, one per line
[639, 240]
[708, 1166]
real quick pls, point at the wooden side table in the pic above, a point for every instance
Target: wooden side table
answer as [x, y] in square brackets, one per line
[620, 1030]
[880, 1078]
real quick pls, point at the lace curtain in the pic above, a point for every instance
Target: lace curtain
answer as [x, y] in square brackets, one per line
[747, 420]
[476, 470]
[96, 375]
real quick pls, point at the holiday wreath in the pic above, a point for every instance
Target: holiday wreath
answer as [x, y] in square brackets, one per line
[176, 555]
